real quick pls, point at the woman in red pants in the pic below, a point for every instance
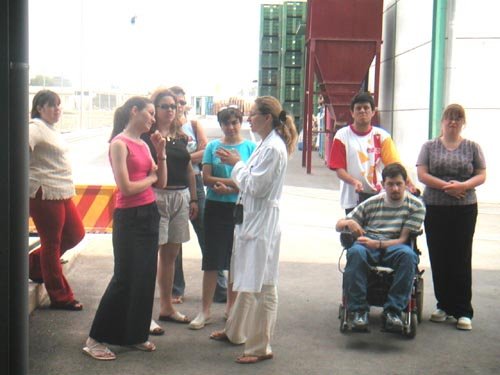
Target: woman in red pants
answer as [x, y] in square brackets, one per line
[51, 206]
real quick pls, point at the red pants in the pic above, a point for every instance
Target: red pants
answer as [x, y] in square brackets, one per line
[60, 228]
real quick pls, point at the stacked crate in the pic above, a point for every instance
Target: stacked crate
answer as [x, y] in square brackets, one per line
[270, 30]
[293, 59]
[282, 55]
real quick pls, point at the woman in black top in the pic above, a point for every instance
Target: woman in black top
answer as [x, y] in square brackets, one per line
[177, 203]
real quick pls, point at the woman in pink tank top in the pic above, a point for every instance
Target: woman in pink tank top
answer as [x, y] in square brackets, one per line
[124, 313]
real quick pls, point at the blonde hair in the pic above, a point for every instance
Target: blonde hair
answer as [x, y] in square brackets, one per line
[176, 125]
[282, 122]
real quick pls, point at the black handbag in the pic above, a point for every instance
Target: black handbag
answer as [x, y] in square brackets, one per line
[238, 212]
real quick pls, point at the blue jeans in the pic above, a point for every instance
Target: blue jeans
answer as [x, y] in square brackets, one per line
[179, 282]
[401, 258]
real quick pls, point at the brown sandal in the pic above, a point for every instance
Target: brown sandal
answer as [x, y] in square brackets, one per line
[68, 305]
[219, 336]
[147, 346]
[249, 359]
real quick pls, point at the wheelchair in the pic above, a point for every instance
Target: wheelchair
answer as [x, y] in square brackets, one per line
[379, 282]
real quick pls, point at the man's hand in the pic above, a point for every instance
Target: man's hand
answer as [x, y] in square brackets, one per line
[358, 186]
[355, 228]
[411, 187]
[368, 242]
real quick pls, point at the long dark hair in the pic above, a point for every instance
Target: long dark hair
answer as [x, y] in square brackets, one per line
[156, 97]
[41, 98]
[122, 114]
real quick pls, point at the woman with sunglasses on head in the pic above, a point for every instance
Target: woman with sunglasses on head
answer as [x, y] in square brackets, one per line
[177, 202]
[51, 206]
[221, 199]
[196, 144]
[451, 167]
[124, 313]
[254, 261]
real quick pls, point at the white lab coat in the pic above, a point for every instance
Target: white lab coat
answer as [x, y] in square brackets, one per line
[256, 245]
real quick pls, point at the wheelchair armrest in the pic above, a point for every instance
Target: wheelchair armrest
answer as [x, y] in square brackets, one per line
[414, 235]
[412, 240]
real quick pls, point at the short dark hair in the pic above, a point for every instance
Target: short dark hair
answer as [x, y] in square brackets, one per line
[363, 97]
[41, 98]
[394, 170]
[225, 114]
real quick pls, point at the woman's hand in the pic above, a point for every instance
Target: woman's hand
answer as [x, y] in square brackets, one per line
[456, 189]
[159, 143]
[153, 175]
[226, 156]
[193, 209]
[221, 188]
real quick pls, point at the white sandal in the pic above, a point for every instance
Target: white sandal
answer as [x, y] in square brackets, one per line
[99, 351]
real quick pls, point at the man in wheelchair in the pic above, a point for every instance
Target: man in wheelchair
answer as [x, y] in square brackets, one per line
[381, 226]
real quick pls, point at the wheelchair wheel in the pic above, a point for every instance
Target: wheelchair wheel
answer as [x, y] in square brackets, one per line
[420, 298]
[411, 331]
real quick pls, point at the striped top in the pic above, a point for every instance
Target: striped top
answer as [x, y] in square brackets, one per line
[384, 220]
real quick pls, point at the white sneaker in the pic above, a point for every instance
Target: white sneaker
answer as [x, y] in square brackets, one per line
[199, 322]
[439, 316]
[464, 323]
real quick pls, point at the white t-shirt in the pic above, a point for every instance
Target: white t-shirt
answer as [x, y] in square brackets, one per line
[49, 165]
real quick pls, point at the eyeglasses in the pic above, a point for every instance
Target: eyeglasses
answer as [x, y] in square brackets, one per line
[182, 102]
[173, 107]
[231, 123]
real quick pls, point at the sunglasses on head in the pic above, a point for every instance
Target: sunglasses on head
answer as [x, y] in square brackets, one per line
[182, 102]
[168, 106]
[232, 106]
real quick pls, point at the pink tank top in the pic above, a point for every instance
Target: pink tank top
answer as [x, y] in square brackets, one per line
[139, 164]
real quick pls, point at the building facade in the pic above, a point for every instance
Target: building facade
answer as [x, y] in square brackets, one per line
[409, 102]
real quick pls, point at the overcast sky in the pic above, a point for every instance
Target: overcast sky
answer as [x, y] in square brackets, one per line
[208, 46]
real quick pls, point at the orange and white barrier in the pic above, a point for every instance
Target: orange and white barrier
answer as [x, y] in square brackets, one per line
[95, 203]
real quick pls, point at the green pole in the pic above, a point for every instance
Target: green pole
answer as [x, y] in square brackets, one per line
[437, 66]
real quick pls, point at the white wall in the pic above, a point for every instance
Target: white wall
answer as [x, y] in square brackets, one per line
[474, 47]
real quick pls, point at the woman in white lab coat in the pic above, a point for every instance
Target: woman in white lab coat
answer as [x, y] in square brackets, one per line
[254, 262]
